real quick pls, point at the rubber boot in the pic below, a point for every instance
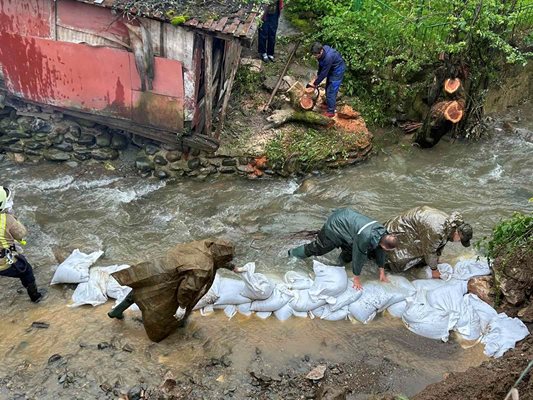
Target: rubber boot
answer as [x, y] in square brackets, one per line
[118, 311]
[297, 252]
[34, 293]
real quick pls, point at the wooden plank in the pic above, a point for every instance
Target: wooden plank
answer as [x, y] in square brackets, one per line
[233, 27]
[207, 25]
[234, 66]
[208, 56]
[192, 22]
[221, 24]
[245, 28]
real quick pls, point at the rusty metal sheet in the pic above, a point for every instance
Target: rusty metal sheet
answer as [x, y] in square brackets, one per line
[157, 110]
[27, 18]
[67, 74]
[91, 19]
[76, 36]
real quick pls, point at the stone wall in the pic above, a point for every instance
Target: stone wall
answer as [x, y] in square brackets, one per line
[29, 133]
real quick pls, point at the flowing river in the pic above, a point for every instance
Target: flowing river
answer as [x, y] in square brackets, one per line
[132, 219]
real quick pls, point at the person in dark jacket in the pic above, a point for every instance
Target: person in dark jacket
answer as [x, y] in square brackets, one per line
[422, 234]
[167, 289]
[359, 238]
[331, 66]
[266, 40]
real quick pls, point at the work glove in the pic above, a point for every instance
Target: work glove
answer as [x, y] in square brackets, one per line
[180, 313]
[297, 252]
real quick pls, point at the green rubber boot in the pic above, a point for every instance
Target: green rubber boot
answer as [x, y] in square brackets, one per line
[118, 311]
[297, 252]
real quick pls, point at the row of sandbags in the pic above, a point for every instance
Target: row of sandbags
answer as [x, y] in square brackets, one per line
[428, 307]
[95, 284]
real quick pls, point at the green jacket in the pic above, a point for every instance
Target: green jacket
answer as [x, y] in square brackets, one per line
[349, 229]
[422, 233]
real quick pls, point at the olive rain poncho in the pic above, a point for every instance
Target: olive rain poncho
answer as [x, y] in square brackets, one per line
[180, 278]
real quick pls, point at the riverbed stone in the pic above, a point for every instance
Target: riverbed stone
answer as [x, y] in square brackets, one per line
[7, 140]
[160, 160]
[161, 174]
[19, 134]
[173, 155]
[15, 148]
[31, 152]
[34, 145]
[56, 139]
[180, 165]
[144, 164]
[86, 139]
[194, 163]
[229, 162]
[82, 155]
[103, 140]
[39, 125]
[24, 123]
[151, 149]
[56, 155]
[40, 137]
[226, 170]
[63, 146]
[119, 142]
[104, 153]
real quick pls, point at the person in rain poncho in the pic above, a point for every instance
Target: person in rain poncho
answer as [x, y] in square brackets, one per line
[422, 234]
[167, 289]
[359, 238]
[12, 263]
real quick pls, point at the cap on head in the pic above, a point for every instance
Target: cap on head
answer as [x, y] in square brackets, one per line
[466, 232]
[222, 251]
[4, 196]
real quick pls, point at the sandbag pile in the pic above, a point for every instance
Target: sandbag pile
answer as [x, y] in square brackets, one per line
[428, 307]
[95, 284]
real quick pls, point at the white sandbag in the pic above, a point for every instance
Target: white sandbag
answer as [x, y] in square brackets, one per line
[211, 296]
[380, 295]
[75, 269]
[362, 311]
[328, 314]
[279, 297]
[503, 334]
[297, 281]
[300, 314]
[445, 270]
[244, 309]
[397, 310]
[93, 291]
[229, 292]
[113, 289]
[346, 298]
[207, 310]
[467, 269]
[449, 299]
[330, 281]
[316, 313]
[469, 324]
[428, 284]
[302, 302]
[424, 320]
[230, 311]
[263, 314]
[257, 286]
[284, 313]
[483, 310]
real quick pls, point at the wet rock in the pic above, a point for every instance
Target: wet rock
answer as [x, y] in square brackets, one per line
[18, 134]
[195, 152]
[7, 140]
[106, 387]
[331, 393]
[30, 152]
[72, 164]
[63, 146]
[40, 325]
[172, 156]
[56, 155]
[526, 314]
[482, 287]
[160, 160]
[194, 163]
[82, 155]
[15, 148]
[247, 169]
[225, 361]
[172, 147]
[161, 174]
[86, 139]
[229, 162]
[226, 170]
[84, 122]
[151, 149]
[316, 373]
[58, 138]
[39, 125]
[180, 165]
[135, 393]
[119, 142]
[261, 377]
[54, 358]
[144, 164]
[17, 158]
[104, 153]
[103, 140]
[103, 345]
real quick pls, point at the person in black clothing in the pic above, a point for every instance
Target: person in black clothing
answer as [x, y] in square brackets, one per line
[268, 29]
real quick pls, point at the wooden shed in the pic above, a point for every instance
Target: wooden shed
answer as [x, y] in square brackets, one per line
[130, 69]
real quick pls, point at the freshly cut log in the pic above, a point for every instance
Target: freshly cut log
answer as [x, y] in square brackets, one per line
[452, 85]
[411, 126]
[449, 110]
[307, 101]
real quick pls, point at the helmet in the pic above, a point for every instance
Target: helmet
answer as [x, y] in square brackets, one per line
[5, 198]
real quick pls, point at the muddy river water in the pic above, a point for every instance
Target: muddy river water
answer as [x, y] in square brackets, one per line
[131, 219]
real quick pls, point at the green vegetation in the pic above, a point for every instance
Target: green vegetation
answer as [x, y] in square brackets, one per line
[246, 81]
[391, 45]
[179, 19]
[309, 147]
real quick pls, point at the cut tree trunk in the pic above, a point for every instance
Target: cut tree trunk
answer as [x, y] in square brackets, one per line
[280, 117]
[307, 101]
[452, 111]
[452, 85]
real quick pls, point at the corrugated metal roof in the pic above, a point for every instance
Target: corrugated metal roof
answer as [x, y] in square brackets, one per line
[229, 17]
